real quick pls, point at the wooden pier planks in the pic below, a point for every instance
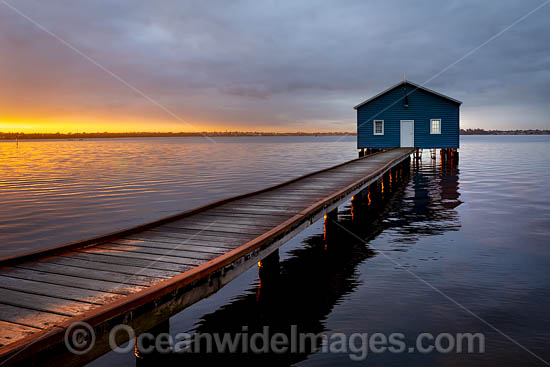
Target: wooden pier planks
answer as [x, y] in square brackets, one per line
[39, 292]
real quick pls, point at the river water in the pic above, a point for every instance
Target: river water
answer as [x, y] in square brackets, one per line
[447, 250]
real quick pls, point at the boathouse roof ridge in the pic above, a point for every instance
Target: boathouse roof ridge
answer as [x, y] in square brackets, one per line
[402, 83]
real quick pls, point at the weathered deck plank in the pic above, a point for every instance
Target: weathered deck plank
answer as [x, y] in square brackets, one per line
[174, 252]
[216, 212]
[195, 239]
[92, 284]
[57, 291]
[131, 253]
[219, 227]
[171, 246]
[97, 274]
[29, 317]
[139, 263]
[120, 270]
[183, 240]
[235, 222]
[44, 303]
[12, 332]
[208, 234]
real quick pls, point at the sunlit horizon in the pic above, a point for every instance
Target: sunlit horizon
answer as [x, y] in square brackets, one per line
[29, 128]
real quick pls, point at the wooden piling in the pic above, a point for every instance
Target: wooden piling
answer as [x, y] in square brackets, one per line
[330, 226]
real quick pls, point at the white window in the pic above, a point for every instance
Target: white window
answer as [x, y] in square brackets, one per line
[378, 127]
[435, 126]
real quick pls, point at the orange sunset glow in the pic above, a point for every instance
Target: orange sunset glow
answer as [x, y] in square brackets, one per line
[84, 124]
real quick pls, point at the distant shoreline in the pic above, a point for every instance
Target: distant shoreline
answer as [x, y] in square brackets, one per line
[22, 136]
[78, 136]
[504, 132]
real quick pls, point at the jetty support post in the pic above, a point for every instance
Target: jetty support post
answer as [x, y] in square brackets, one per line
[417, 154]
[357, 204]
[330, 226]
[375, 192]
[269, 269]
[454, 155]
[385, 182]
[404, 168]
[449, 156]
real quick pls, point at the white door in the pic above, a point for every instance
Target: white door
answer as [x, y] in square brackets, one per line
[407, 133]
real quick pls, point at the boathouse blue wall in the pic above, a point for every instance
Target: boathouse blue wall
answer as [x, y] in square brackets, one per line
[423, 106]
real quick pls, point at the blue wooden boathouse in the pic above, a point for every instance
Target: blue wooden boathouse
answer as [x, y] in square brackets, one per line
[408, 115]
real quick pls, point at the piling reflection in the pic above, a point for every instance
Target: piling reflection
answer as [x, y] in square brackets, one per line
[432, 195]
[303, 289]
[148, 358]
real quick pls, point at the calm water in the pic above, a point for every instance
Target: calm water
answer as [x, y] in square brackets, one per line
[477, 235]
[54, 192]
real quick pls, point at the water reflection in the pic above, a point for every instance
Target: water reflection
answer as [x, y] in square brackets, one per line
[427, 208]
[304, 288]
[54, 192]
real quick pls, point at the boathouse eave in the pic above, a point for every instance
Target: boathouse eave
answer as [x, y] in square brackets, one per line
[412, 85]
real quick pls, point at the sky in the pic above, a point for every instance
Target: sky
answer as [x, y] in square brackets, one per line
[300, 65]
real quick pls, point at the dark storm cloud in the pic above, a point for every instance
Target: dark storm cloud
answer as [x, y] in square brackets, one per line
[295, 65]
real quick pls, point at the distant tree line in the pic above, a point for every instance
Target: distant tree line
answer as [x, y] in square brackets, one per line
[157, 134]
[84, 135]
[503, 132]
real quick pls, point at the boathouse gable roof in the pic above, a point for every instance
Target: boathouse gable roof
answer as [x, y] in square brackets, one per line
[411, 84]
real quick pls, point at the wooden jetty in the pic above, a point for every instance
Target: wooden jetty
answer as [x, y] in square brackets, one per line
[143, 275]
